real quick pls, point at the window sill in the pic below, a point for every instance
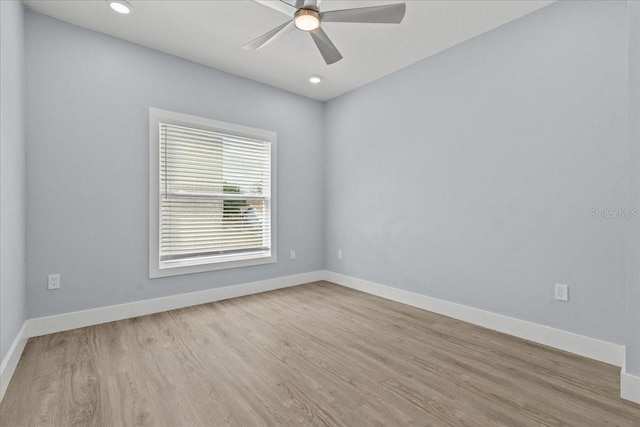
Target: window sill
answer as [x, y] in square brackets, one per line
[189, 266]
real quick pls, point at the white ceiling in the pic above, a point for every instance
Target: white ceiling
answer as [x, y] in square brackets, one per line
[212, 33]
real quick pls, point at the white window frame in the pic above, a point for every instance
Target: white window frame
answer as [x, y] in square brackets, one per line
[217, 262]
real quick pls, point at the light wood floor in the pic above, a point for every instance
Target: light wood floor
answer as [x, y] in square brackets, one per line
[317, 354]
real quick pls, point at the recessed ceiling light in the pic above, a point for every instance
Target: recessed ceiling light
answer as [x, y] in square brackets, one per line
[120, 6]
[315, 79]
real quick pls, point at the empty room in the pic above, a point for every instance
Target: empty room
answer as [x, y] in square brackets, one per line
[306, 212]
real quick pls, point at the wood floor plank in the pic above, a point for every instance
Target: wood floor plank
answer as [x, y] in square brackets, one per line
[317, 354]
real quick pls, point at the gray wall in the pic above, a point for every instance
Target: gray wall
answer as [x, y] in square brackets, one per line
[470, 176]
[88, 97]
[12, 173]
[633, 236]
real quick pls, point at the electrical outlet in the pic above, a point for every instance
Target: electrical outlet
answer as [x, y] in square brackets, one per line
[293, 254]
[562, 292]
[54, 281]
[339, 253]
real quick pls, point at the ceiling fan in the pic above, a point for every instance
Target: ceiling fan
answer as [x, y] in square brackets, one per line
[306, 16]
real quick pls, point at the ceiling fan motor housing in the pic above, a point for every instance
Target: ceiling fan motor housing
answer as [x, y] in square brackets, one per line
[306, 19]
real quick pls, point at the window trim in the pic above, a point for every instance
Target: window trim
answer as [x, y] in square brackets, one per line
[184, 266]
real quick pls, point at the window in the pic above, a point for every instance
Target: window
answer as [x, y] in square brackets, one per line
[211, 195]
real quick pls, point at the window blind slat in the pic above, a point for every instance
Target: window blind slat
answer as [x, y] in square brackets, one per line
[214, 193]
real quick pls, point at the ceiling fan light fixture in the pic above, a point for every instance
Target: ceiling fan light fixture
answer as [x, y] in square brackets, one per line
[120, 6]
[307, 20]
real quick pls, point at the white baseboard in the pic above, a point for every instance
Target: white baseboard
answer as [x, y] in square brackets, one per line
[10, 361]
[567, 341]
[78, 319]
[581, 345]
[629, 385]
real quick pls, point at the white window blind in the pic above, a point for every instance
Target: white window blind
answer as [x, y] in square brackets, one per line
[214, 196]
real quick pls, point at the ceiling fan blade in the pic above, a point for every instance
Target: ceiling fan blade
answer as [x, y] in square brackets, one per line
[279, 5]
[267, 38]
[388, 14]
[329, 52]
